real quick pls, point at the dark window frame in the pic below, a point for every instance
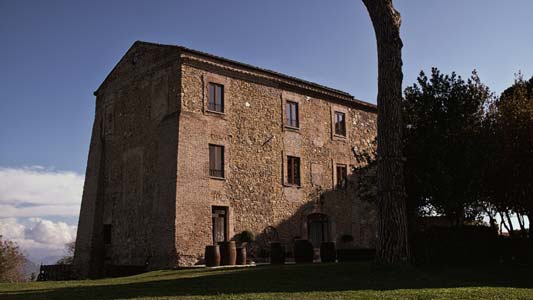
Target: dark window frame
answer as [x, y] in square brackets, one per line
[216, 97]
[107, 234]
[216, 171]
[340, 123]
[341, 174]
[292, 112]
[293, 170]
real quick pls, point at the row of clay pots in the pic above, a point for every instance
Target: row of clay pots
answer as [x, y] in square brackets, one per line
[303, 252]
[224, 254]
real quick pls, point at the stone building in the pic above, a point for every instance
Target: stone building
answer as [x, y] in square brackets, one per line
[189, 148]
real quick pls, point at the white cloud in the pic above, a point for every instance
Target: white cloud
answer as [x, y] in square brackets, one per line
[46, 231]
[37, 191]
[11, 229]
[42, 240]
[30, 199]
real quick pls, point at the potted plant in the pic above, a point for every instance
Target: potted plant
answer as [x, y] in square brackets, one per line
[243, 239]
[303, 251]
[277, 253]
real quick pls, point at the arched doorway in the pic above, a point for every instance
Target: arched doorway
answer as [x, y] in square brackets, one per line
[318, 229]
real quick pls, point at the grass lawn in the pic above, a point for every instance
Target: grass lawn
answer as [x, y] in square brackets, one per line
[313, 281]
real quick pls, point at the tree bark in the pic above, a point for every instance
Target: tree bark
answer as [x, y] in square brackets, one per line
[520, 219]
[530, 233]
[393, 246]
[510, 223]
[502, 222]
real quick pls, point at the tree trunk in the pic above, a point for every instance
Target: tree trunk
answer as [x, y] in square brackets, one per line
[510, 223]
[530, 233]
[393, 246]
[502, 222]
[520, 219]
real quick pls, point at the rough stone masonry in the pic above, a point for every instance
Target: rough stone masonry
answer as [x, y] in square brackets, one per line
[156, 191]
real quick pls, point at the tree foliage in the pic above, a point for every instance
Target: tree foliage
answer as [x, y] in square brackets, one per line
[469, 153]
[444, 117]
[69, 257]
[11, 261]
[508, 184]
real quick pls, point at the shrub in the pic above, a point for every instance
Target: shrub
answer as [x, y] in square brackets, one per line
[11, 261]
[460, 245]
[244, 237]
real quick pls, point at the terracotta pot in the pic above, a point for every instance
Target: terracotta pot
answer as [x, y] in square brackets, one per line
[303, 251]
[228, 253]
[277, 253]
[241, 255]
[212, 256]
[328, 253]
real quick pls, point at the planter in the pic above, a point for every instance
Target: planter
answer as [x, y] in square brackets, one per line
[277, 253]
[241, 255]
[228, 253]
[212, 256]
[328, 252]
[303, 251]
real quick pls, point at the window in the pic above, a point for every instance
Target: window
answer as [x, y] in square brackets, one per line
[293, 170]
[340, 123]
[107, 234]
[342, 176]
[291, 113]
[216, 97]
[216, 161]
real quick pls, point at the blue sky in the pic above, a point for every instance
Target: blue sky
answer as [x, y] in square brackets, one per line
[54, 54]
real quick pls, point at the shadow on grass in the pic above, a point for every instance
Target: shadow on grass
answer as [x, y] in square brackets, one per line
[283, 279]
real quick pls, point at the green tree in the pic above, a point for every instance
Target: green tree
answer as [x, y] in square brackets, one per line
[443, 116]
[69, 257]
[508, 184]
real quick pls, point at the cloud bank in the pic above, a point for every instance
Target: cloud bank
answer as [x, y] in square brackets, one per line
[33, 200]
[36, 191]
[43, 241]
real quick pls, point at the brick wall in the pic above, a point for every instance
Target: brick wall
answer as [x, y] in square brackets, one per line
[148, 168]
[256, 145]
[130, 179]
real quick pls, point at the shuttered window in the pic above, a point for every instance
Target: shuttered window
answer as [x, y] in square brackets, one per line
[342, 176]
[216, 97]
[293, 170]
[291, 114]
[216, 161]
[107, 234]
[340, 123]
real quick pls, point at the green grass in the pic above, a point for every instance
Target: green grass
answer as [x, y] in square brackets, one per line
[316, 281]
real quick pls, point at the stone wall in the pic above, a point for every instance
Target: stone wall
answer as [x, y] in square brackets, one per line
[130, 180]
[148, 166]
[256, 145]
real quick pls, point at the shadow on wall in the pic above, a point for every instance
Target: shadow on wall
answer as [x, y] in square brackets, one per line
[348, 210]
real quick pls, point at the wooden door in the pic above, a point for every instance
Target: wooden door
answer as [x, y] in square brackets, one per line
[219, 216]
[318, 229]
